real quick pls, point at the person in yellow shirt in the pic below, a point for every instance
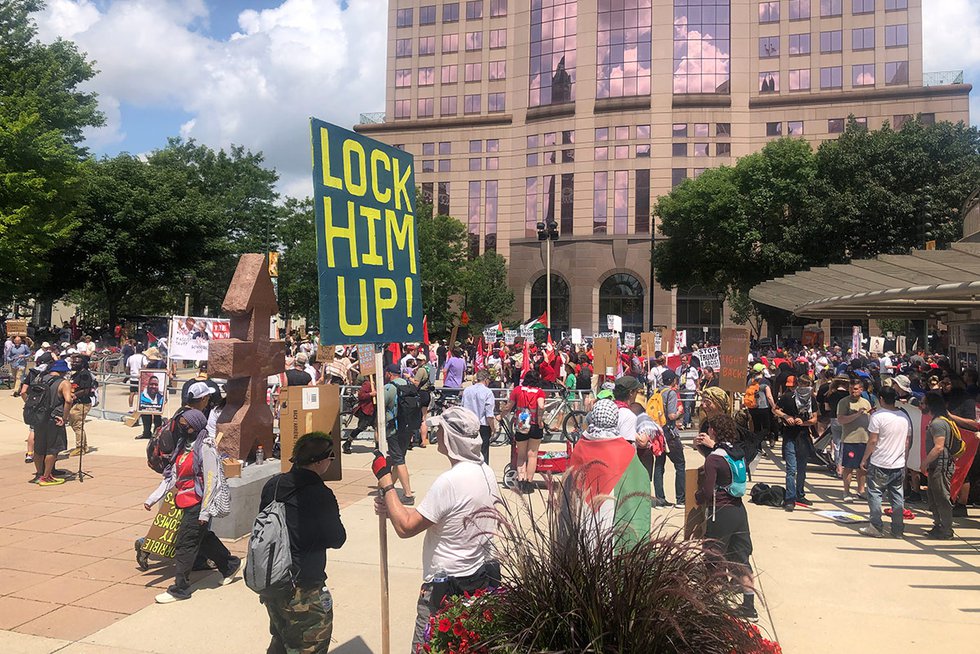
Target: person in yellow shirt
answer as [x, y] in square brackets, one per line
[854, 415]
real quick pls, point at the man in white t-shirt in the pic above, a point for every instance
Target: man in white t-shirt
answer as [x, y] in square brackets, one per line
[689, 376]
[624, 394]
[889, 437]
[885, 366]
[455, 553]
[135, 363]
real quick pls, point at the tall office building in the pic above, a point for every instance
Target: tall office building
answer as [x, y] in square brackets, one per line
[584, 111]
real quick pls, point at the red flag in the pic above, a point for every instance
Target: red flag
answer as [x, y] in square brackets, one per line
[543, 319]
[464, 318]
[425, 330]
[526, 363]
[478, 364]
[396, 352]
[150, 338]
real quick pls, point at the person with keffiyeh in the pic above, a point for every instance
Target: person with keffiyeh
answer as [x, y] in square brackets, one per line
[796, 410]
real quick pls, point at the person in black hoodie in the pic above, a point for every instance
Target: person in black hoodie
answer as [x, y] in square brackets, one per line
[727, 534]
[303, 621]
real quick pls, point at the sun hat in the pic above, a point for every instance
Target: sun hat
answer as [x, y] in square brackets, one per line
[198, 390]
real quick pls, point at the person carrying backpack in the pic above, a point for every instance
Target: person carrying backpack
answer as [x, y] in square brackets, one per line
[300, 607]
[47, 405]
[942, 442]
[403, 416]
[720, 491]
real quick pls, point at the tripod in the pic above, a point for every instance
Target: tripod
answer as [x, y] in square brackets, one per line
[81, 453]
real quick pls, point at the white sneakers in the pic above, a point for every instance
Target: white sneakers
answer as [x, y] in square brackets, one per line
[166, 598]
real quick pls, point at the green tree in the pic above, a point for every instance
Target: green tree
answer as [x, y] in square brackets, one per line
[488, 296]
[42, 115]
[299, 295]
[442, 262]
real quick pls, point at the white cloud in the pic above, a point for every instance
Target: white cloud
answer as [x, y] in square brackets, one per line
[257, 88]
[950, 42]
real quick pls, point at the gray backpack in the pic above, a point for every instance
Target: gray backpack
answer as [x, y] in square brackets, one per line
[269, 569]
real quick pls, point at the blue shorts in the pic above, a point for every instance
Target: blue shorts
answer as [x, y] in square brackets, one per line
[852, 454]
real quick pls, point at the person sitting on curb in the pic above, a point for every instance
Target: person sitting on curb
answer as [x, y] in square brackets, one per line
[454, 515]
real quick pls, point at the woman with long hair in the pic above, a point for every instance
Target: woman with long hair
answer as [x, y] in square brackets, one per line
[527, 402]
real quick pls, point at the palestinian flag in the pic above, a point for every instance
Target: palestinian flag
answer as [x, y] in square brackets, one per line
[614, 486]
[541, 322]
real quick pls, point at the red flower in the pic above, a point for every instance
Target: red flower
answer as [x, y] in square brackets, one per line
[444, 625]
[458, 629]
[487, 615]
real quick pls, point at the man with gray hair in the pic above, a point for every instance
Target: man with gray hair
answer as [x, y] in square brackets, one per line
[479, 399]
[454, 514]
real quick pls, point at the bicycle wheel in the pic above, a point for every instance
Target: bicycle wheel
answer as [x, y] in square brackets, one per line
[573, 426]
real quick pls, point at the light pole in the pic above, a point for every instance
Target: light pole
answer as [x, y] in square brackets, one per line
[188, 280]
[548, 232]
[653, 246]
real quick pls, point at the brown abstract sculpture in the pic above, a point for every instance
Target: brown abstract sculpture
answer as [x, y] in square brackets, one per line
[247, 359]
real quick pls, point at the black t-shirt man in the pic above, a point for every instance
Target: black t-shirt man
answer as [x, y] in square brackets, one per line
[296, 377]
[787, 404]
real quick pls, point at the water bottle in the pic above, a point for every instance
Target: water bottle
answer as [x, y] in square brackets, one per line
[259, 455]
[439, 577]
[326, 599]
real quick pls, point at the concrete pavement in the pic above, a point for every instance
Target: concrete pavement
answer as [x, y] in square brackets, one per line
[825, 587]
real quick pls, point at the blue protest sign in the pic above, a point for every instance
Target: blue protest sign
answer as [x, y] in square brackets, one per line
[367, 247]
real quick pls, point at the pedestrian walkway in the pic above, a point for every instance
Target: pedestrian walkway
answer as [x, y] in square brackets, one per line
[69, 582]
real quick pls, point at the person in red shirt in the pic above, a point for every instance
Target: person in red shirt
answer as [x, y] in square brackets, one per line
[364, 413]
[527, 402]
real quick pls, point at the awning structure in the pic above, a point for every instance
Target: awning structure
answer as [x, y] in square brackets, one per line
[924, 284]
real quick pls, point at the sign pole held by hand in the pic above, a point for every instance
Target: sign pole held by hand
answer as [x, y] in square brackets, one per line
[379, 412]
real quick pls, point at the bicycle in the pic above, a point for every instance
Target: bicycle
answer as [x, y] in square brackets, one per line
[558, 411]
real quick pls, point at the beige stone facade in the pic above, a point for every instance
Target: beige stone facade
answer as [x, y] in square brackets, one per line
[488, 149]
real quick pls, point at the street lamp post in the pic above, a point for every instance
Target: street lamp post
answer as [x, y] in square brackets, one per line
[653, 246]
[548, 232]
[188, 280]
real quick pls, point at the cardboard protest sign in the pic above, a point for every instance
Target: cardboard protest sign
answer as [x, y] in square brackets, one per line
[152, 391]
[191, 335]
[16, 328]
[710, 358]
[324, 353]
[648, 344]
[734, 359]
[365, 355]
[306, 409]
[605, 352]
[163, 531]
[367, 249]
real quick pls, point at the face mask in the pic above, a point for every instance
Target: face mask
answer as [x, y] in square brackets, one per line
[802, 392]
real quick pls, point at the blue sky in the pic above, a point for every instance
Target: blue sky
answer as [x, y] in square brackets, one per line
[251, 72]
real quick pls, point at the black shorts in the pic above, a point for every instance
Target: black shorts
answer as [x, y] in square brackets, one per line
[729, 534]
[534, 434]
[398, 441]
[134, 388]
[49, 439]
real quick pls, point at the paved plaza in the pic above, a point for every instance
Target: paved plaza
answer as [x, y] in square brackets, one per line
[69, 582]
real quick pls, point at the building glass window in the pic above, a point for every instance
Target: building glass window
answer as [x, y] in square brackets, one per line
[925, 119]
[403, 47]
[428, 166]
[678, 149]
[474, 41]
[449, 74]
[799, 80]
[532, 141]
[899, 120]
[476, 163]
[863, 38]
[473, 72]
[622, 151]
[862, 6]
[896, 72]
[799, 9]
[768, 12]
[677, 175]
[559, 301]
[831, 77]
[621, 200]
[794, 128]
[530, 207]
[621, 295]
[493, 163]
[892, 5]
[498, 8]
[567, 202]
[427, 15]
[799, 44]
[443, 200]
[679, 130]
[450, 12]
[769, 82]
[831, 41]
[642, 132]
[474, 9]
[445, 147]
[550, 138]
[723, 149]
[473, 219]
[643, 151]
[445, 165]
[863, 75]
[498, 39]
[835, 126]
[831, 8]
[702, 45]
[642, 201]
[427, 76]
[723, 129]
[427, 45]
[700, 149]
[552, 60]
[403, 17]
[602, 134]
[403, 78]
[622, 132]
[448, 106]
[428, 149]
[427, 192]
[599, 207]
[490, 208]
[472, 104]
[624, 48]
[495, 103]
[896, 36]
[531, 159]
[403, 109]
[774, 129]
[498, 70]
[697, 309]
[768, 47]
[601, 153]
[450, 43]
[700, 130]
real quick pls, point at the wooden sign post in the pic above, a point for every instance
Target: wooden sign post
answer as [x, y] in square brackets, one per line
[381, 421]
[734, 359]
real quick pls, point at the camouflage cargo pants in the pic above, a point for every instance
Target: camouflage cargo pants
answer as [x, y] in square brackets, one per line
[301, 623]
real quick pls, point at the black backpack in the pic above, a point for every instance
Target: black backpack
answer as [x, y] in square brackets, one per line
[37, 407]
[408, 407]
[583, 381]
[161, 446]
[766, 495]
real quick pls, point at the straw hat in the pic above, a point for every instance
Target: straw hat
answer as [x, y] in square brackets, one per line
[153, 354]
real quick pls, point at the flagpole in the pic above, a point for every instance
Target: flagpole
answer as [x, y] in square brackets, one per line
[547, 265]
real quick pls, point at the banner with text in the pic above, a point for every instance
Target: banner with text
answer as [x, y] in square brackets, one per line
[734, 359]
[189, 336]
[710, 358]
[367, 248]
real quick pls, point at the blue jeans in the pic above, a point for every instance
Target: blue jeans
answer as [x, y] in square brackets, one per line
[888, 480]
[687, 399]
[795, 454]
[675, 452]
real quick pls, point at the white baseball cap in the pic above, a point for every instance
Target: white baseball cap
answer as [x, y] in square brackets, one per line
[198, 390]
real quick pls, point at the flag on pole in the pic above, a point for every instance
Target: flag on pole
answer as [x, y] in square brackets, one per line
[396, 352]
[526, 362]
[478, 364]
[425, 330]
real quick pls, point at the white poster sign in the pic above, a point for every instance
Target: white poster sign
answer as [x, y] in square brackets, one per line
[527, 333]
[510, 335]
[629, 339]
[680, 340]
[614, 323]
[189, 336]
[576, 336]
[710, 358]
[855, 341]
[877, 345]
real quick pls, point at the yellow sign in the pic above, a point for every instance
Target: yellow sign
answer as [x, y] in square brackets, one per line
[273, 264]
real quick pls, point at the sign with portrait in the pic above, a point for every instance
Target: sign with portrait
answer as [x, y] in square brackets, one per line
[152, 391]
[190, 336]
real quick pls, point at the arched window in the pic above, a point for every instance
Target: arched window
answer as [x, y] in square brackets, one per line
[698, 308]
[622, 295]
[559, 302]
